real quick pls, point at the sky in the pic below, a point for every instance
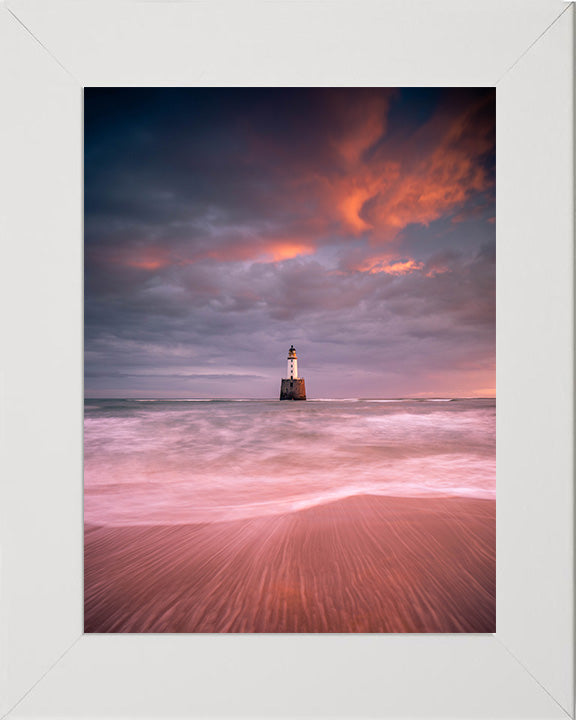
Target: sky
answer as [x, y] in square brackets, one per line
[223, 225]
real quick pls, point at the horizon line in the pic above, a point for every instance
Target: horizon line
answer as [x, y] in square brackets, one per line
[406, 397]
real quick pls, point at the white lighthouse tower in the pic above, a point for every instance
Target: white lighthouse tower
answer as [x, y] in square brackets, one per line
[292, 363]
[292, 387]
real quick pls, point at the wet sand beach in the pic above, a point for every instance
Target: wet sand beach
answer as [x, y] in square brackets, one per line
[363, 564]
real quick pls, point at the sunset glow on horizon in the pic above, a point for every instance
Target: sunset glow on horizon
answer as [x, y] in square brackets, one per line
[223, 225]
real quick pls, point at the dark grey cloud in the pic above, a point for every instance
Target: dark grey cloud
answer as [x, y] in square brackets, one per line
[221, 227]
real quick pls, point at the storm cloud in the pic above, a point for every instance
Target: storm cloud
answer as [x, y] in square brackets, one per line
[223, 225]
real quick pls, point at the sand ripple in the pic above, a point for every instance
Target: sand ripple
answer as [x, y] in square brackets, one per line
[365, 564]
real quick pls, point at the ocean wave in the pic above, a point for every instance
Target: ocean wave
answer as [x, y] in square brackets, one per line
[177, 462]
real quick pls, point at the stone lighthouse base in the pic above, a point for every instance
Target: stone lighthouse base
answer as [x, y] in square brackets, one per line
[293, 389]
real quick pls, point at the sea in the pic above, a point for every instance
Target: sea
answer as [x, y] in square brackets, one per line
[169, 462]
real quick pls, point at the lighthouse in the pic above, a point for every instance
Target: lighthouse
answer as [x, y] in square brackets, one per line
[292, 387]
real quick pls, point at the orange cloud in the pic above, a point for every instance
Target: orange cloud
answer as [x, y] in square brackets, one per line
[362, 125]
[257, 248]
[351, 205]
[383, 265]
[286, 250]
[140, 258]
[232, 249]
[351, 194]
[436, 186]
[382, 196]
[146, 263]
[439, 270]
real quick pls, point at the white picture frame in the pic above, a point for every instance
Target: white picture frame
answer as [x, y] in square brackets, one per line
[50, 50]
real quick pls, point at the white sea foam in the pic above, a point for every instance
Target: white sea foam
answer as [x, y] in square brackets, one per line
[200, 461]
[399, 400]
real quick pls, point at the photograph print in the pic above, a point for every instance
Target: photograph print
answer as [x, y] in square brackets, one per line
[289, 347]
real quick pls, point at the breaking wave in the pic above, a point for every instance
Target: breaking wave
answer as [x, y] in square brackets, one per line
[197, 460]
